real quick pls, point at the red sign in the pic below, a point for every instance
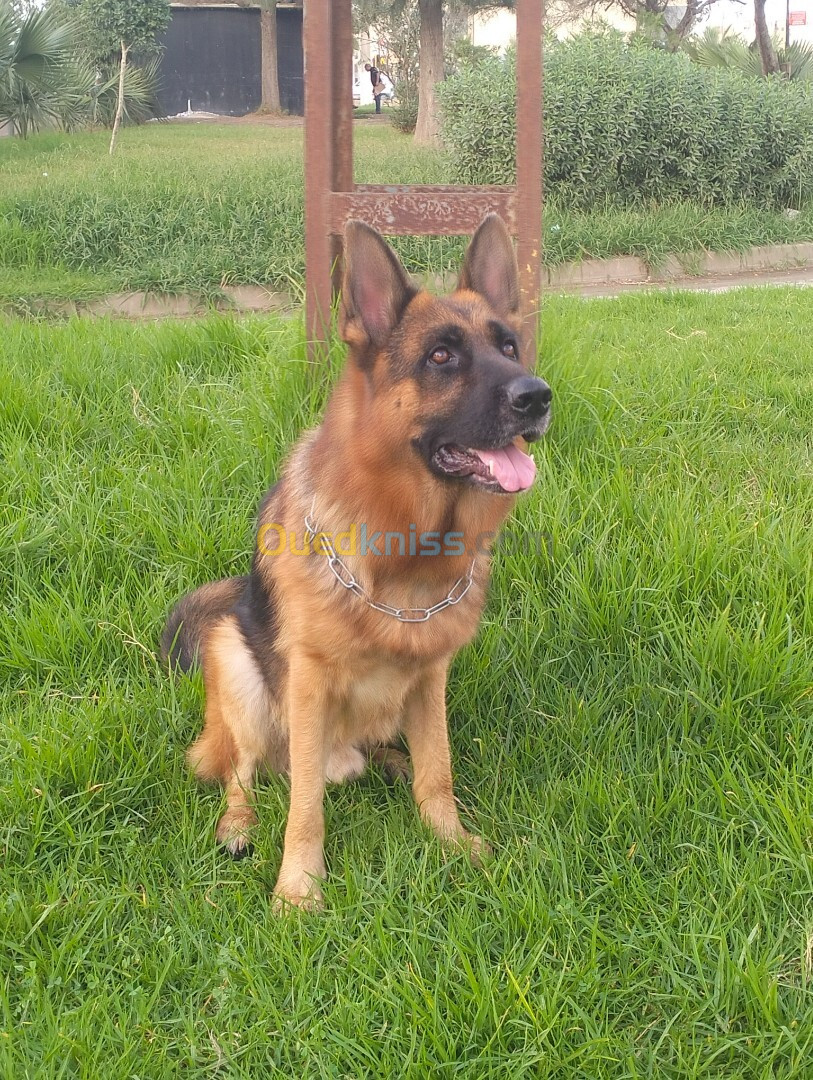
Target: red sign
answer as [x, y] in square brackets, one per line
[797, 18]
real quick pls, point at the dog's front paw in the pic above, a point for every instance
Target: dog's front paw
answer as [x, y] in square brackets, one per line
[475, 847]
[234, 831]
[442, 817]
[296, 889]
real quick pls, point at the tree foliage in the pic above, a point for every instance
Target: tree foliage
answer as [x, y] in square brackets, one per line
[664, 23]
[113, 29]
[105, 24]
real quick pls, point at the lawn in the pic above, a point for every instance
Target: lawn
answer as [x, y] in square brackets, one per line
[631, 730]
[196, 207]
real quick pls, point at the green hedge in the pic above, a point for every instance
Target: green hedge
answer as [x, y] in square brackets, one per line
[626, 123]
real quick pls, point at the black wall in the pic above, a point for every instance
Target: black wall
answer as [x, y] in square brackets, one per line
[291, 60]
[212, 57]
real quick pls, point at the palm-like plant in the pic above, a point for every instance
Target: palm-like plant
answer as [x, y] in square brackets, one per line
[140, 94]
[36, 55]
[716, 48]
[797, 60]
[46, 83]
[722, 48]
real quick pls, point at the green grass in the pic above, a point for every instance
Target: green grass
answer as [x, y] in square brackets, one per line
[631, 730]
[195, 207]
[672, 227]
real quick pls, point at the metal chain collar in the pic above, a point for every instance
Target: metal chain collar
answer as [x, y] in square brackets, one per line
[407, 615]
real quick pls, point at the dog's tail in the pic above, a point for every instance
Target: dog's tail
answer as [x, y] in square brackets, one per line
[193, 615]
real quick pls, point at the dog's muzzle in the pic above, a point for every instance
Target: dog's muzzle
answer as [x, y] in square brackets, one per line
[529, 400]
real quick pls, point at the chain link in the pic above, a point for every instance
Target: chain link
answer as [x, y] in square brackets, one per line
[407, 615]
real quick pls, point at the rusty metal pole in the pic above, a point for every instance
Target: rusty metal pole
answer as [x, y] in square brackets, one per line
[529, 165]
[342, 165]
[319, 141]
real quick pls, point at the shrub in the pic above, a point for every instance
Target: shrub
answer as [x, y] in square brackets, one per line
[625, 123]
[404, 115]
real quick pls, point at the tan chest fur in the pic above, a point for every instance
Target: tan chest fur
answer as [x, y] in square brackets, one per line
[370, 707]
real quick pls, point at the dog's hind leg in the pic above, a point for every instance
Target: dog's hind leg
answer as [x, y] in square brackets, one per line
[239, 731]
[393, 763]
[234, 828]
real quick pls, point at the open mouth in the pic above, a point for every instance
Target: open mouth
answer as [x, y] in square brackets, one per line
[507, 469]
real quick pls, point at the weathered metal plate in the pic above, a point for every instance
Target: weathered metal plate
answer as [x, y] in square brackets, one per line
[427, 211]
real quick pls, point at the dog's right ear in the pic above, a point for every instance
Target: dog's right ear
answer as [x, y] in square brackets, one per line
[375, 289]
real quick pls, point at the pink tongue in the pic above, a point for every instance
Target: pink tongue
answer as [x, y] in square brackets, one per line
[513, 470]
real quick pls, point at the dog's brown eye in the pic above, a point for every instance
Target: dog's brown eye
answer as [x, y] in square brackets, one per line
[509, 349]
[440, 356]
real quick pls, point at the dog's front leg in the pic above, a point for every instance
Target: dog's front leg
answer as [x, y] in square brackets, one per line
[303, 862]
[427, 735]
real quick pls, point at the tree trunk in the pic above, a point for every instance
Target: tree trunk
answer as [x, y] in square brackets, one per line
[427, 129]
[120, 102]
[676, 37]
[270, 74]
[767, 53]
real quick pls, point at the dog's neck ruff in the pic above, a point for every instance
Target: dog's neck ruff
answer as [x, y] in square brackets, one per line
[347, 581]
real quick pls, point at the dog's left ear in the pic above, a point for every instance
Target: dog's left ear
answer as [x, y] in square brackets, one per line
[490, 266]
[375, 288]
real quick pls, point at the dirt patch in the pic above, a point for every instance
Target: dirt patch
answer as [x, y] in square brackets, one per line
[262, 119]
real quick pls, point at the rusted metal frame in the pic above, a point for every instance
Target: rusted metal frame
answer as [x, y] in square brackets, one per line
[331, 198]
[529, 163]
[442, 212]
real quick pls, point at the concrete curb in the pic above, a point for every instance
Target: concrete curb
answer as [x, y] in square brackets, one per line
[591, 277]
[243, 299]
[675, 269]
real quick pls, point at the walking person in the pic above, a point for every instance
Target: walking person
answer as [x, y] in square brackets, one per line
[378, 86]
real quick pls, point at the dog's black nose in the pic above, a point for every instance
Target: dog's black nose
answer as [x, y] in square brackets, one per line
[529, 396]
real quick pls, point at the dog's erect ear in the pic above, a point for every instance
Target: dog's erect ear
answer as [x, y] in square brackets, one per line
[490, 266]
[375, 289]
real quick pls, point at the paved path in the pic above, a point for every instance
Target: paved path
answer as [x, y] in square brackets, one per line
[720, 283]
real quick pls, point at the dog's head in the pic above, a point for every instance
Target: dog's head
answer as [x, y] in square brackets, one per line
[445, 376]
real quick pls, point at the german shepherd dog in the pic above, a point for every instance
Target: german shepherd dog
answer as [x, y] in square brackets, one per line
[329, 649]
